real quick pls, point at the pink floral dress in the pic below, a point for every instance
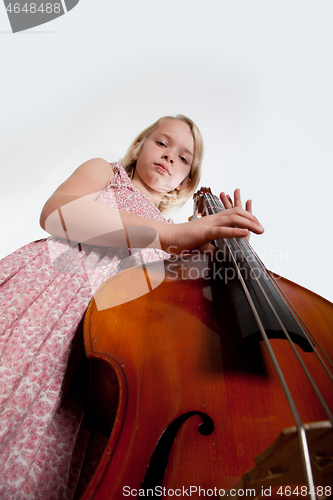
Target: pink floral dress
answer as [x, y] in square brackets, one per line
[45, 288]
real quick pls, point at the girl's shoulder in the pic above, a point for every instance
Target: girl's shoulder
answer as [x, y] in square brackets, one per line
[120, 175]
[120, 193]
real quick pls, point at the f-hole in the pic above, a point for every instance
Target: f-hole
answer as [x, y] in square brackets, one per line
[159, 459]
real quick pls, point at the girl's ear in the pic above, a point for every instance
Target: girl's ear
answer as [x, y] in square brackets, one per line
[184, 183]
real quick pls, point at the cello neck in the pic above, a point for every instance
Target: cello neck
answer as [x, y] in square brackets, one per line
[257, 301]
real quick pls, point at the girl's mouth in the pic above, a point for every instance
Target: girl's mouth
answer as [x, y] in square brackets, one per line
[163, 168]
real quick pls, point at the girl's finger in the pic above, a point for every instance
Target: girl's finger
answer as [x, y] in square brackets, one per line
[230, 200]
[248, 206]
[237, 197]
[226, 200]
[244, 214]
[239, 219]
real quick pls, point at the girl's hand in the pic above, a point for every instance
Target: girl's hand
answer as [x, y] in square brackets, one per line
[227, 202]
[233, 222]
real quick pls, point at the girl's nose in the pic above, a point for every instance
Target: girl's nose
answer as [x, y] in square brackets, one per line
[168, 157]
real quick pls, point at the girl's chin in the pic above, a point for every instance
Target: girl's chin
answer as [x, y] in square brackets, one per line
[158, 188]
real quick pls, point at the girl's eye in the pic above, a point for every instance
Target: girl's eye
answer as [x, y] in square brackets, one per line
[160, 143]
[183, 159]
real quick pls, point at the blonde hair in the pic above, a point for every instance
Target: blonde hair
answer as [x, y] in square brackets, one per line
[175, 197]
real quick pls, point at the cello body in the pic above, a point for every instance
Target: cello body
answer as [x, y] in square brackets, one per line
[188, 405]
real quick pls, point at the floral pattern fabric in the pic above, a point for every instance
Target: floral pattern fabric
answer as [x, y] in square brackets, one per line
[45, 288]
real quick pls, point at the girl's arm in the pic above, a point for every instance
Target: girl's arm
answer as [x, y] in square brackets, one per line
[73, 213]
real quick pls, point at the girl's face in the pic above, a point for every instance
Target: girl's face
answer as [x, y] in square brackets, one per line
[165, 159]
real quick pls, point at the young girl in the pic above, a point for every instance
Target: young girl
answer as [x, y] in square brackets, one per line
[46, 287]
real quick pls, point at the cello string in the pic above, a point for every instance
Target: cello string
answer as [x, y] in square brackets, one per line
[286, 334]
[305, 369]
[307, 333]
[299, 424]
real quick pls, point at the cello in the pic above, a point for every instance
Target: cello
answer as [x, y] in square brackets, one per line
[218, 382]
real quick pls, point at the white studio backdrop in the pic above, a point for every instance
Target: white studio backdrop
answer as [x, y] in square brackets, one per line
[256, 76]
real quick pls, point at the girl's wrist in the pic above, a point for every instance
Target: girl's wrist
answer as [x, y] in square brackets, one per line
[174, 239]
[165, 233]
